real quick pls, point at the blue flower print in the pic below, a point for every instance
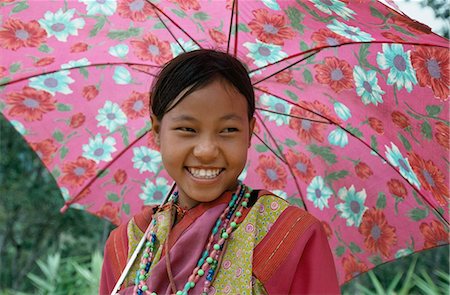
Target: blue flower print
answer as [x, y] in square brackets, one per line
[243, 174]
[398, 61]
[338, 137]
[403, 252]
[367, 86]
[104, 7]
[67, 197]
[154, 193]
[277, 105]
[264, 54]
[122, 76]
[335, 6]
[353, 207]
[272, 4]
[280, 193]
[342, 110]
[396, 159]
[145, 159]
[318, 192]
[111, 116]
[19, 127]
[187, 46]
[352, 33]
[76, 63]
[60, 25]
[120, 50]
[98, 149]
[52, 83]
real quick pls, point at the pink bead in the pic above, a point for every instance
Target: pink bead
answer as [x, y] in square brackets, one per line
[205, 266]
[221, 241]
[229, 230]
[191, 278]
[207, 284]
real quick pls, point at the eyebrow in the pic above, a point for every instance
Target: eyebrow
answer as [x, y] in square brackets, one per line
[192, 119]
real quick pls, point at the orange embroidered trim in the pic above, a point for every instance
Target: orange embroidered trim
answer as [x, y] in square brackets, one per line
[269, 254]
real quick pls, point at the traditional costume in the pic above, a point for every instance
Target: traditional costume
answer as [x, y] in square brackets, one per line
[272, 248]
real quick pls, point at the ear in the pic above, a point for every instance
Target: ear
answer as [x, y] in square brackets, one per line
[156, 127]
[251, 128]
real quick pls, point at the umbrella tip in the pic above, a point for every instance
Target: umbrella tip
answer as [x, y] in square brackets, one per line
[64, 208]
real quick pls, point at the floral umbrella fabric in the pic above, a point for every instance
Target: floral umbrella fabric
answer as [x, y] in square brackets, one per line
[352, 108]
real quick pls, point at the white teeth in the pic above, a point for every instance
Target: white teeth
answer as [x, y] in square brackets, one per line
[204, 173]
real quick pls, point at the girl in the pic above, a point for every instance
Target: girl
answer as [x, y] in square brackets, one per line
[215, 234]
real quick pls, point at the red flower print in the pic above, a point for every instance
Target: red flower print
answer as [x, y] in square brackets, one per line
[45, 61]
[302, 166]
[30, 103]
[79, 47]
[328, 230]
[399, 119]
[270, 28]
[187, 4]
[379, 235]
[392, 37]
[376, 125]
[217, 36]
[120, 176]
[271, 173]
[352, 267]
[77, 172]
[90, 92]
[432, 69]
[77, 120]
[45, 150]
[434, 234]
[397, 188]
[363, 170]
[325, 37]
[305, 122]
[430, 177]
[284, 77]
[16, 34]
[110, 212]
[336, 73]
[410, 24]
[442, 134]
[136, 10]
[137, 105]
[3, 72]
[150, 48]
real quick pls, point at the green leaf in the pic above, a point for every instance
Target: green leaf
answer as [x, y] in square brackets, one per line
[355, 131]
[296, 202]
[63, 107]
[402, 30]
[324, 152]
[19, 7]
[296, 18]
[307, 76]
[290, 142]
[58, 136]
[103, 173]
[333, 176]
[144, 130]
[113, 197]
[179, 13]
[425, 130]
[354, 248]
[433, 110]
[15, 67]
[159, 25]
[418, 214]
[405, 141]
[374, 143]
[376, 13]
[261, 148]
[201, 16]
[381, 201]
[122, 35]
[243, 28]
[340, 250]
[45, 48]
[126, 208]
[291, 95]
[98, 26]
[363, 53]
[125, 137]
[376, 260]
[63, 152]
[303, 46]
[84, 72]
[56, 173]
[417, 117]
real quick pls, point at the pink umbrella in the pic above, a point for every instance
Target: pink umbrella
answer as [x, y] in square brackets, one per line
[353, 115]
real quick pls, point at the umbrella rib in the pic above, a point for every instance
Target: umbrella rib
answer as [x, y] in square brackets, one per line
[170, 32]
[293, 116]
[236, 29]
[279, 156]
[231, 27]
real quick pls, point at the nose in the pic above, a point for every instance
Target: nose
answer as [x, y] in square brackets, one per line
[206, 150]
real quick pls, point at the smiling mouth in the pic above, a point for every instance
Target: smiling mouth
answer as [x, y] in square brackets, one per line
[204, 173]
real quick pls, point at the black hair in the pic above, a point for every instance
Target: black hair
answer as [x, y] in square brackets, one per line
[196, 69]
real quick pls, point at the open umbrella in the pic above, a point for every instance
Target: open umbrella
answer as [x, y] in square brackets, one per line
[352, 108]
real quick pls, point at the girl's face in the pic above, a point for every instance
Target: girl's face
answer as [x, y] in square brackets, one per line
[204, 141]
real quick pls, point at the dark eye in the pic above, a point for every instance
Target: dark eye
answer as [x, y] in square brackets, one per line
[230, 130]
[186, 129]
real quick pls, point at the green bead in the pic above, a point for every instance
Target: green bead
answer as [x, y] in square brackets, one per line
[179, 292]
[233, 224]
[148, 244]
[216, 247]
[238, 214]
[154, 293]
[225, 235]
[144, 288]
[141, 277]
[142, 266]
[192, 285]
[200, 272]
[146, 255]
[209, 260]
[247, 195]
[244, 204]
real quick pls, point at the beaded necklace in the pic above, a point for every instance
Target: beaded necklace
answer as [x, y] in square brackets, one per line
[209, 262]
